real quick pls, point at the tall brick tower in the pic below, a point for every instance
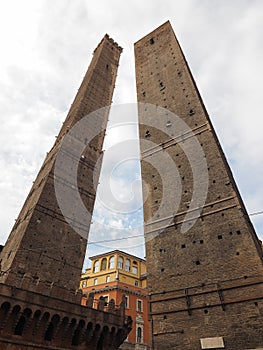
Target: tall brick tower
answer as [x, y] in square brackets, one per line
[42, 245]
[205, 283]
[41, 263]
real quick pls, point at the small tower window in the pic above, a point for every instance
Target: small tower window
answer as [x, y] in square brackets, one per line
[152, 41]
[162, 86]
[147, 133]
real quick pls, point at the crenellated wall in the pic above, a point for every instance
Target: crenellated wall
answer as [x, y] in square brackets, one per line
[30, 320]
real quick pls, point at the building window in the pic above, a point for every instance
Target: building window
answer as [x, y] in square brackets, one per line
[139, 335]
[95, 281]
[120, 262]
[139, 305]
[106, 300]
[128, 265]
[84, 284]
[96, 267]
[135, 270]
[112, 262]
[126, 302]
[107, 279]
[103, 264]
[136, 283]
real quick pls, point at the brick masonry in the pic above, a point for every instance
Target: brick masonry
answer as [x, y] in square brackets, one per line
[207, 282]
[42, 260]
[33, 321]
[42, 244]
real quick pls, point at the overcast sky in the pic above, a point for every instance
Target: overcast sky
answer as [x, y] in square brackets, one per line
[46, 47]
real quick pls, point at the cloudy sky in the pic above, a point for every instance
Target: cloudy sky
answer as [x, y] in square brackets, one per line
[46, 47]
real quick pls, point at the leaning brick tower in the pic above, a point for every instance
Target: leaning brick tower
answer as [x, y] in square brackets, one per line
[205, 283]
[41, 262]
[42, 244]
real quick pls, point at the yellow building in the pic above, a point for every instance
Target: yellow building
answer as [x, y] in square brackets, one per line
[113, 275]
[115, 266]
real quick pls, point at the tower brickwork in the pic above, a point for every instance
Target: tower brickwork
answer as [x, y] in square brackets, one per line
[42, 244]
[41, 263]
[205, 284]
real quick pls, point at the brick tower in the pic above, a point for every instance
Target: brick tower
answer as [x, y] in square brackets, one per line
[205, 283]
[41, 262]
[42, 244]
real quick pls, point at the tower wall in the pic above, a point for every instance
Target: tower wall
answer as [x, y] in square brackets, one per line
[41, 263]
[43, 246]
[205, 282]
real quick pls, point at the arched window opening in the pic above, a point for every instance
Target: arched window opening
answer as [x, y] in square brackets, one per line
[49, 332]
[96, 267]
[139, 335]
[35, 321]
[22, 322]
[103, 264]
[111, 262]
[16, 310]
[76, 339]
[52, 327]
[120, 262]
[127, 265]
[4, 311]
[20, 326]
[89, 330]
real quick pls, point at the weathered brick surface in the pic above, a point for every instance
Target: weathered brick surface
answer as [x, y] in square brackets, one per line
[207, 282]
[42, 260]
[42, 244]
[30, 320]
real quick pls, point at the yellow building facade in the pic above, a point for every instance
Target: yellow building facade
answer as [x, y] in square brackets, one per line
[113, 275]
[115, 265]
